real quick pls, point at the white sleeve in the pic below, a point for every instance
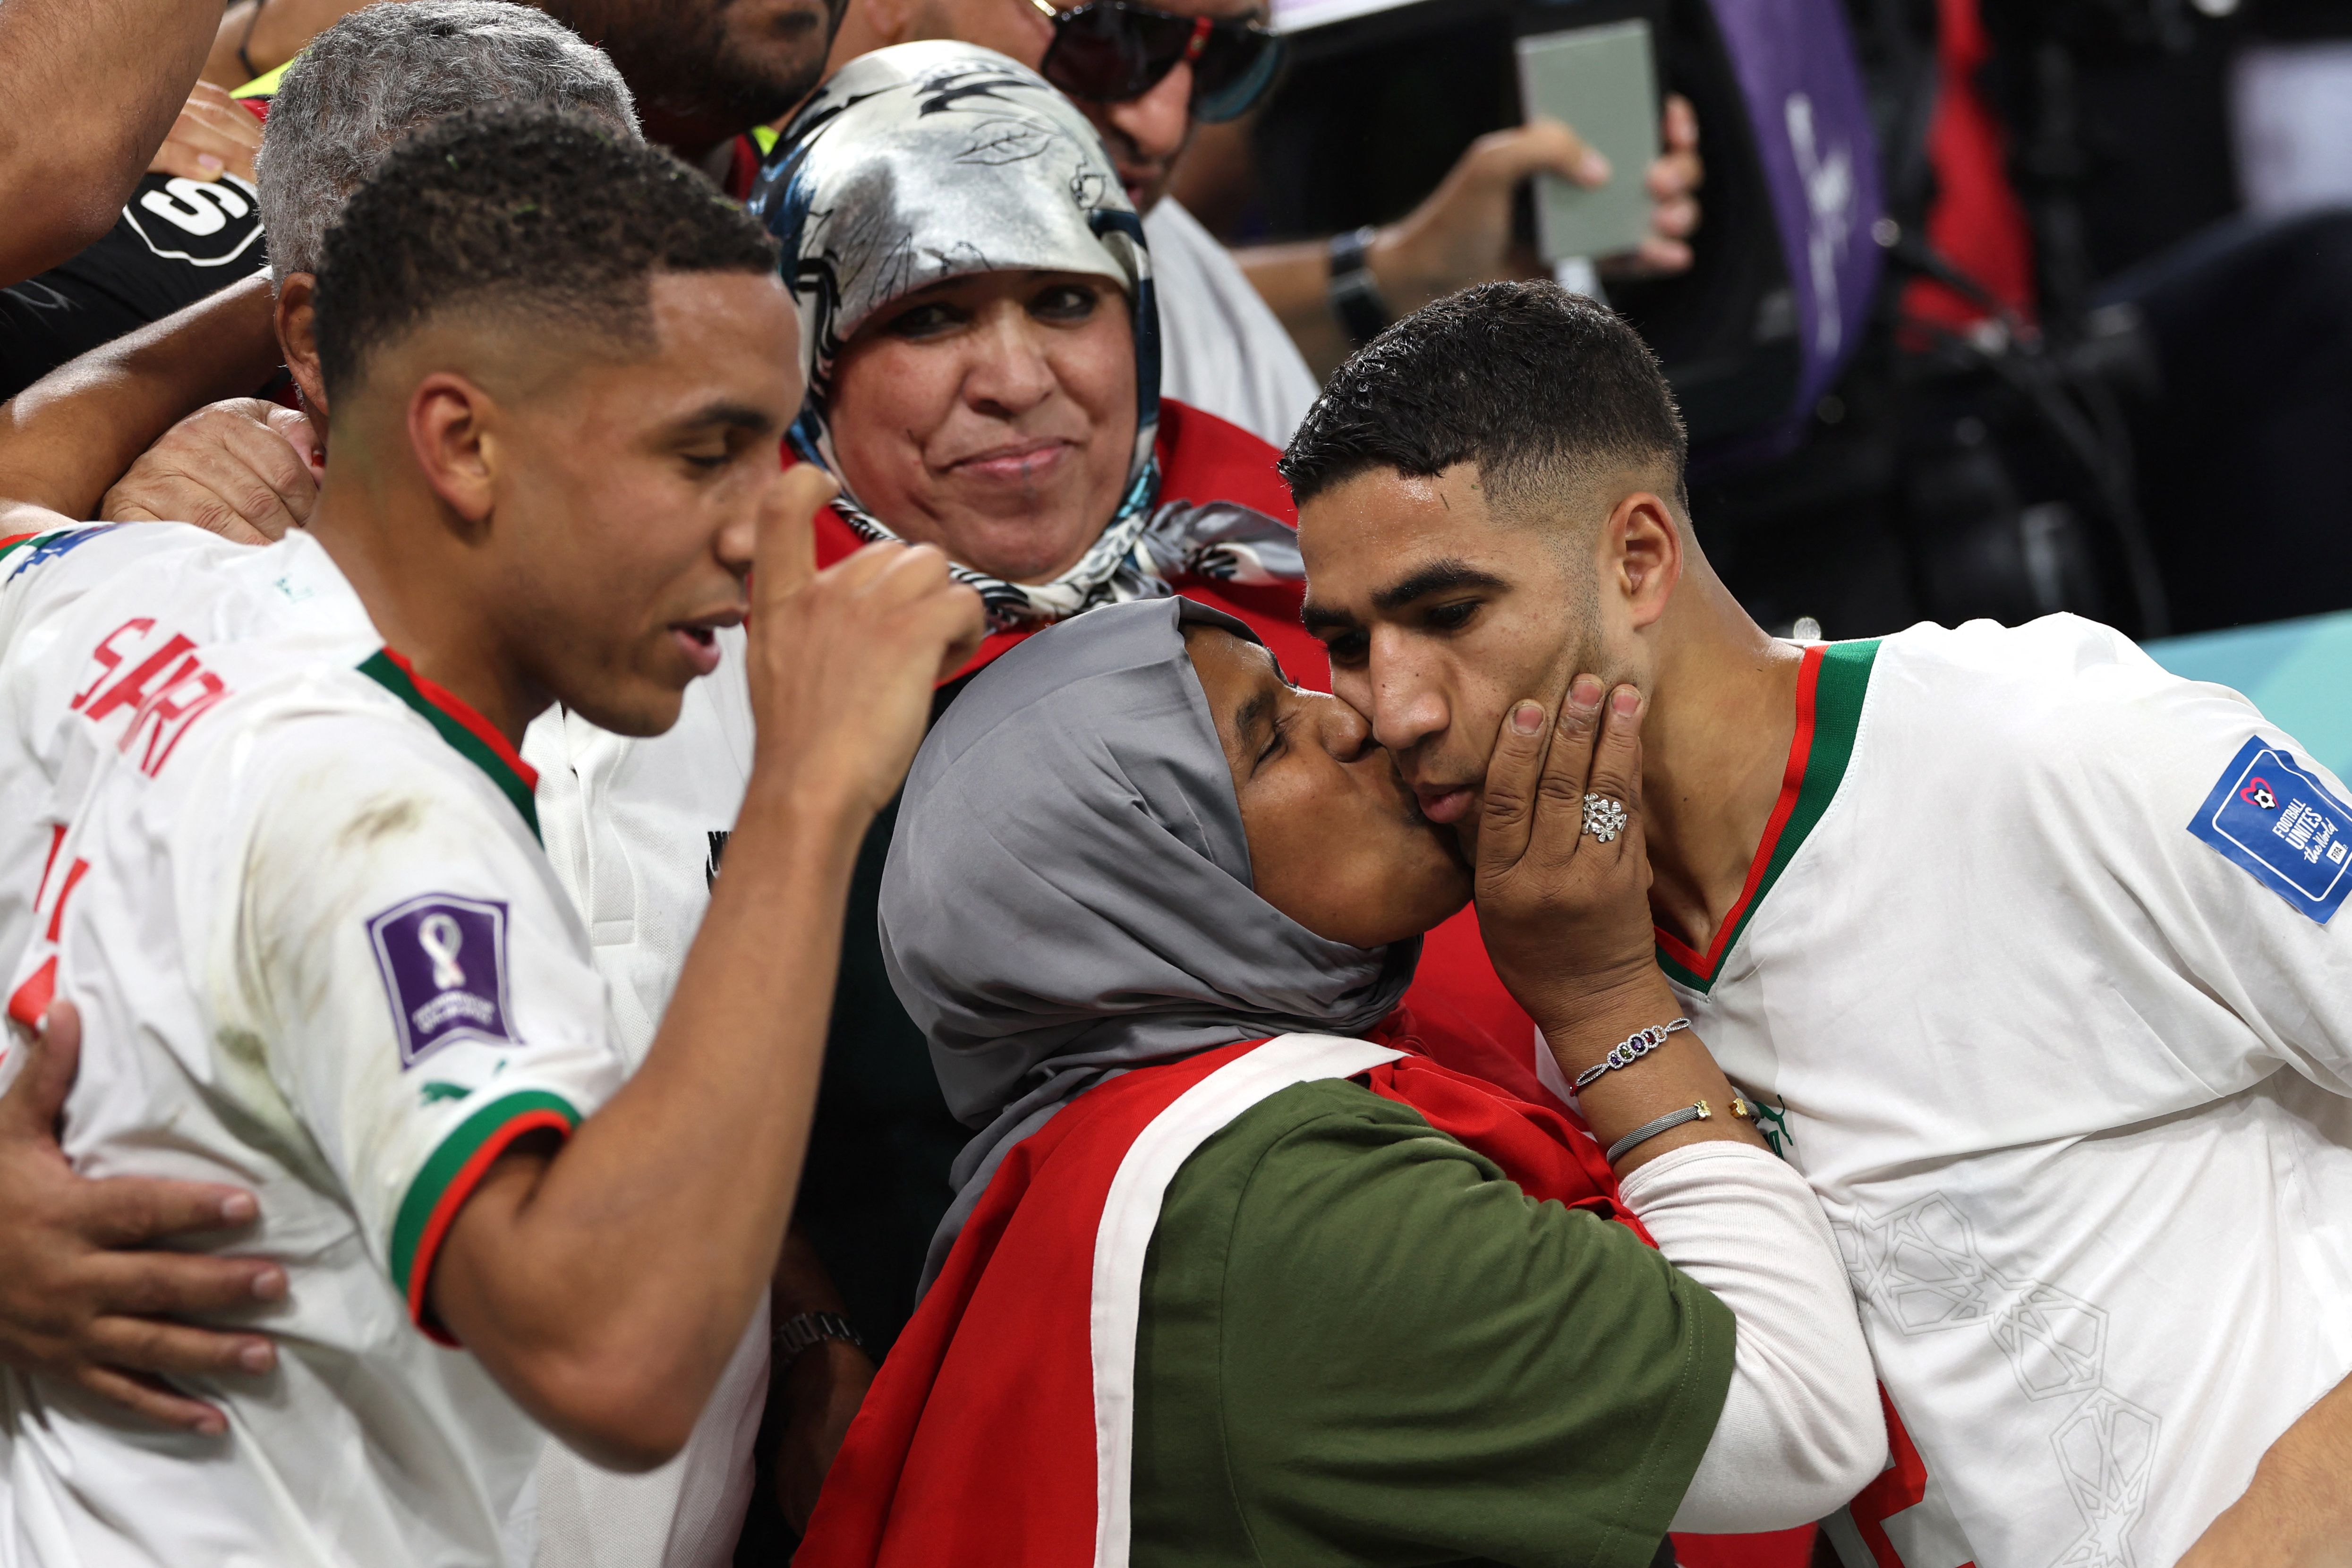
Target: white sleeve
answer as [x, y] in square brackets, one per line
[2210, 857]
[1800, 1430]
[425, 993]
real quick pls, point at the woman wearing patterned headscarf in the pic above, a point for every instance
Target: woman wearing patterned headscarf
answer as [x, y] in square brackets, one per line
[981, 341]
[978, 330]
[1237, 1275]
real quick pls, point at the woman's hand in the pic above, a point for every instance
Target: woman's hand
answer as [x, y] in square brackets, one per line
[1567, 917]
[1567, 921]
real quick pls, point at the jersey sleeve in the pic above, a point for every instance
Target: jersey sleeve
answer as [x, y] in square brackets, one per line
[2197, 826]
[425, 995]
[1403, 1359]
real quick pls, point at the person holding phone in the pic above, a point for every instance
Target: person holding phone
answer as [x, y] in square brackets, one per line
[1247, 335]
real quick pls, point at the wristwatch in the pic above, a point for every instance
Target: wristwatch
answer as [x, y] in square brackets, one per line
[1355, 293]
[796, 1334]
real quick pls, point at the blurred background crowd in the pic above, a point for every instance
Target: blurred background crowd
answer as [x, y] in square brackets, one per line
[2036, 305]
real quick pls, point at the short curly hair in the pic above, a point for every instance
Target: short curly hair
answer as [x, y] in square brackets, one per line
[544, 211]
[1534, 384]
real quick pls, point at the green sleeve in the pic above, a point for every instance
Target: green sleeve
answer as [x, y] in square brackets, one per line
[1360, 1344]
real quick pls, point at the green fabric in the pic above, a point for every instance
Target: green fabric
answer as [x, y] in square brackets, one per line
[380, 667]
[1839, 691]
[1359, 1344]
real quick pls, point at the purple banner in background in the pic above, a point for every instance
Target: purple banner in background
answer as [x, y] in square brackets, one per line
[1796, 67]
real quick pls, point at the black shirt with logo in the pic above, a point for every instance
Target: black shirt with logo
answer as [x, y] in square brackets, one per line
[177, 241]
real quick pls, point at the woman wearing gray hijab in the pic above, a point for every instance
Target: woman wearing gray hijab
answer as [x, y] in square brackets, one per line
[1237, 1275]
[979, 333]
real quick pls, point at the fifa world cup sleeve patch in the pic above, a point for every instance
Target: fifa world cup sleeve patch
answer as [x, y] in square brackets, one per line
[2272, 816]
[444, 960]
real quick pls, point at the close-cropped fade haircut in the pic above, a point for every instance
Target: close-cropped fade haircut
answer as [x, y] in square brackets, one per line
[541, 213]
[1544, 390]
[384, 70]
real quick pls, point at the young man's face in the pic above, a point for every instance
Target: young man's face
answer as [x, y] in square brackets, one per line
[1440, 616]
[628, 492]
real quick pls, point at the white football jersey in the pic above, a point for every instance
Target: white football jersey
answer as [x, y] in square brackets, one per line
[318, 953]
[2040, 976]
[636, 827]
[142, 683]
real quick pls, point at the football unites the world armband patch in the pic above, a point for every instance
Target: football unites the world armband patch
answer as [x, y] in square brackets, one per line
[444, 960]
[2273, 816]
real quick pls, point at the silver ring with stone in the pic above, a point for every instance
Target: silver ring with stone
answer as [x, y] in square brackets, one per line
[1603, 818]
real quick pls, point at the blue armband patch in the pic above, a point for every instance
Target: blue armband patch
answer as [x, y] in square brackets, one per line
[2271, 815]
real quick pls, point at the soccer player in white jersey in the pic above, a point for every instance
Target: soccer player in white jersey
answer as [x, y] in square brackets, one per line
[2030, 954]
[315, 950]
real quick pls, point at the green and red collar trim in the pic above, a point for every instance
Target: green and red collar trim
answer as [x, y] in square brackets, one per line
[1830, 686]
[474, 737]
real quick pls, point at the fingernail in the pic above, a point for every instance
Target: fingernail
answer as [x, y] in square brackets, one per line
[1628, 700]
[208, 164]
[256, 1358]
[269, 1284]
[1527, 718]
[237, 1207]
[1592, 168]
[1584, 693]
[212, 1424]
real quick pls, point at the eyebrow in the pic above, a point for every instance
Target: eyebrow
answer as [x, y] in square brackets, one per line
[741, 415]
[1437, 577]
[1252, 714]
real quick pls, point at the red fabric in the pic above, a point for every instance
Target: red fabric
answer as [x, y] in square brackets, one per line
[1976, 219]
[976, 1444]
[742, 167]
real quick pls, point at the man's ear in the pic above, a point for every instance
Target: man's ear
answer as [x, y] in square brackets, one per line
[297, 338]
[1644, 541]
[452, 427]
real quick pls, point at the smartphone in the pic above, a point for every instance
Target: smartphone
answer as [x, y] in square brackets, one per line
[1602, 82]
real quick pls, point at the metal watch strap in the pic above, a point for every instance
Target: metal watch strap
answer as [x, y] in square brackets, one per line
[1666, 1123]
[796, 1334]
[1355, 293]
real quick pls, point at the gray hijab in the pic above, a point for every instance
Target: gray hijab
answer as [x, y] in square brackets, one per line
[1068, 892]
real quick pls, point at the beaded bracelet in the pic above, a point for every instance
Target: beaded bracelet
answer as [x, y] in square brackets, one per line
[1630, 1050]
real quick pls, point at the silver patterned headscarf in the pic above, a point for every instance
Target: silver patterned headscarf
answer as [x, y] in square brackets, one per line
[925, 162]
[1068, 892]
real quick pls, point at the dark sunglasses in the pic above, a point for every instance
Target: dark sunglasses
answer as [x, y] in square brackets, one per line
[1111, 51]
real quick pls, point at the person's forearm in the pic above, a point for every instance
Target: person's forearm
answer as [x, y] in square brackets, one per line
[1296, 282]
[67, 436]
[2298, 1513]
[92, 88]
[1675, 1074]
[632, 1259]
[1800, 1430]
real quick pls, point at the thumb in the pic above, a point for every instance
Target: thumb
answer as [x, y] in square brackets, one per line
[784, 551]
[1546, 146]
[37, 1098]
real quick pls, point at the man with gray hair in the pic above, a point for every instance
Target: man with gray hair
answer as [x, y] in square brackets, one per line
[361, 86]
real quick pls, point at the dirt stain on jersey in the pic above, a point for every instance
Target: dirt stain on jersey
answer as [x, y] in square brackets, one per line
[383, 820]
